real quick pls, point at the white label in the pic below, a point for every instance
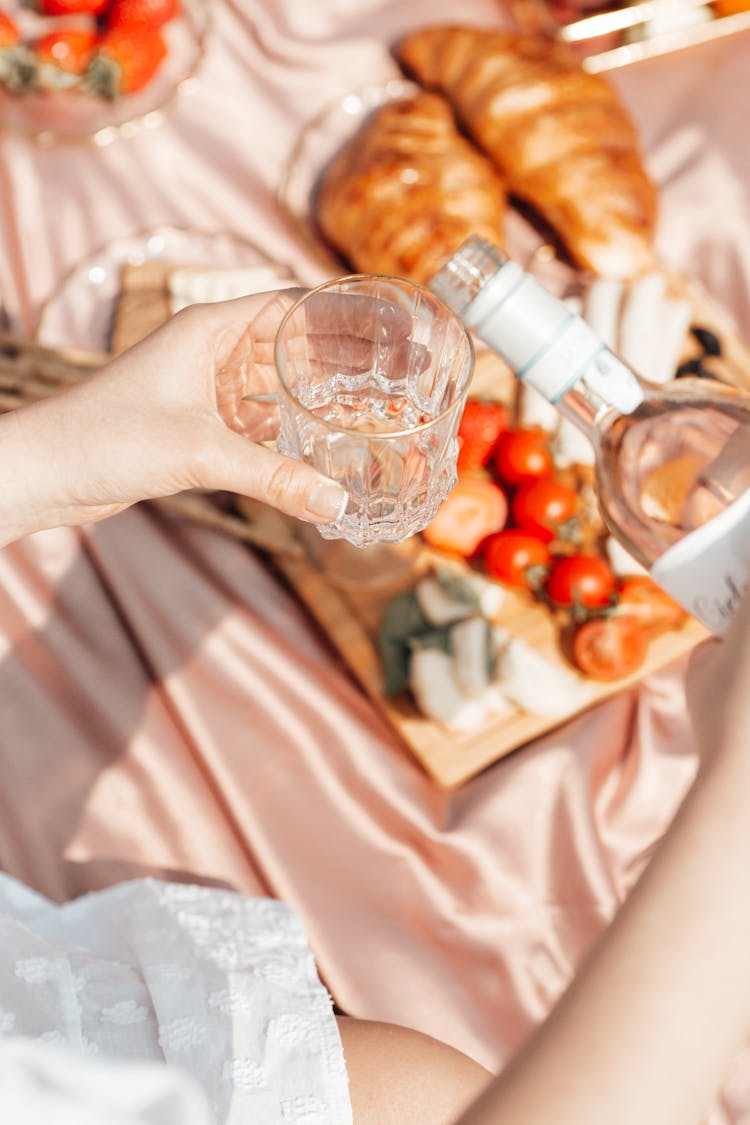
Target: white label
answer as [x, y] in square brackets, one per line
[613, 381]
[521, 324]
[547, 345]
[708, 571]
[562, 362]
[577, 353]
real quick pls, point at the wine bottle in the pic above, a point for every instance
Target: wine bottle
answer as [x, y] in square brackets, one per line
[672, 463]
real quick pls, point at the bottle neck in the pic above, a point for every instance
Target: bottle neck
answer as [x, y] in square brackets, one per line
[586, 410]
[545, 344]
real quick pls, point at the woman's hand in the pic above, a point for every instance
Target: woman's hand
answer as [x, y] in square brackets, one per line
[718, 691]
[165, 416]
[648, 1027]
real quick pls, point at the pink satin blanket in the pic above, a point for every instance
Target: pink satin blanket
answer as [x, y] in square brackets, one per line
[167, 707]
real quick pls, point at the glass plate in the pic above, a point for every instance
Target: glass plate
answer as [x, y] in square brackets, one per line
[325, 135]
[49, 118]
[80, 312]
[318, 143]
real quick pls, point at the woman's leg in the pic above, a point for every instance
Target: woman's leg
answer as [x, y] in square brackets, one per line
[397, 1075]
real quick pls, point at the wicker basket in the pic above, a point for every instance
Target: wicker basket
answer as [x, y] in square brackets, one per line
[30, 371]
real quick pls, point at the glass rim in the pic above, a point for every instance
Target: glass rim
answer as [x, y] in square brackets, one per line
[401, 281]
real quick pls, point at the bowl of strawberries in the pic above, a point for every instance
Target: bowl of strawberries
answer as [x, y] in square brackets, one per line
[94, 70]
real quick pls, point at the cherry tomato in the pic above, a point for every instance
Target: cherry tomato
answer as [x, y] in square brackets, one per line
[513, 557]
[9, 33]
[543, 506]
[730, 7]
[523, 455]
[608, 648]
[583, 580]
[639, 597]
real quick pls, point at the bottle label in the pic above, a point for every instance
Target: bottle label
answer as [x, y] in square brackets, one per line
[708, 571]
[547, 345]
[613, 381]
[575, 353]
[562, 359]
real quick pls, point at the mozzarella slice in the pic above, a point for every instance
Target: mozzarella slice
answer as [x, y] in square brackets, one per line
[621, 561]
[640, 323]
[601, 309]
[470, 648]
[437, 694]
[434, 686]
[491, 594]
[570, 446]
[535, 410]
[664, 358]
[537, 685]
[440, 605]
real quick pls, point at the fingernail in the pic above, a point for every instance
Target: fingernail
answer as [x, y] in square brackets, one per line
[327, 500]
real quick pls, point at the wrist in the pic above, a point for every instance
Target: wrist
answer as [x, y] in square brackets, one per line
[25, 501]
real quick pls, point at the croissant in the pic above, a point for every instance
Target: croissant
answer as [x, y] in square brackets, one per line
[407, 190]
[558, 135]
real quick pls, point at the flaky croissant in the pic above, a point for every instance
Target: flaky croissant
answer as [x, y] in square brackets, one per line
[558, 135]
[407, 190]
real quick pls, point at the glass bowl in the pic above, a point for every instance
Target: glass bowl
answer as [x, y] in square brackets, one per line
[80, 312]
[66, 116]
[317, 144]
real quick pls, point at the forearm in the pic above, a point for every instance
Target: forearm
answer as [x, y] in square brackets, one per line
[648, 1027]
[74, 457]
[24, 469]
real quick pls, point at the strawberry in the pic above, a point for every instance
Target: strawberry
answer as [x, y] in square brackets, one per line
[63, 57]
[10, 36]
[18, 70]
[125, 61]
[482, 423]
[149, 13]
[475, 509]
[72, 7]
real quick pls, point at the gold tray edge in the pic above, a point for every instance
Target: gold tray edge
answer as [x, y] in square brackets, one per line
[666, 43]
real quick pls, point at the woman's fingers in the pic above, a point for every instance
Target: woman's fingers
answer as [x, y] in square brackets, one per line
[328, 355]
[261, 314]
[350, 314]
[235, 464]
[257, 421]
[346, 314]
[718, 686]
[247, 359]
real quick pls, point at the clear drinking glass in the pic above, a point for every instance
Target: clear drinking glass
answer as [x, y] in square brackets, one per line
[373, 375]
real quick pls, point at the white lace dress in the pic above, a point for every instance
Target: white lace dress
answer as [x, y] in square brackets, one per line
[216, 984]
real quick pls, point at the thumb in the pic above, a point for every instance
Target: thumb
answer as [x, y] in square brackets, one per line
[239, 465]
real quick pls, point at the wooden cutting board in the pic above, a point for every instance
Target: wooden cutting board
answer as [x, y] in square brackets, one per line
[346, 592]
[347, 599]
[349, 615]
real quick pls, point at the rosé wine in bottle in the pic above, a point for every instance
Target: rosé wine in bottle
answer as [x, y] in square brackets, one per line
[672, 464]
